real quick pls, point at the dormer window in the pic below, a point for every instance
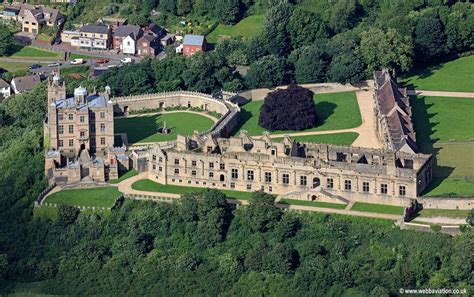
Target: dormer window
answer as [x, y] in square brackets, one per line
[273, 152]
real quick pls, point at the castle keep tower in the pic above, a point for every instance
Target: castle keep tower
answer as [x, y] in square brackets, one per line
[78, 130]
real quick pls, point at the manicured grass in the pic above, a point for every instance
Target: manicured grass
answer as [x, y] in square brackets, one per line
[31, 52]
[380, 208]
[438, 120]
[151, 186]
[16, 66]
[44, 37]
[81, 56]
[144, 128]
[246, 28]
[450, 213]
[124, 176]
[82, 70]
[336, 138]
[456, 75]
[443, 118]
[312, 203]
[335, 111]
[101, 197]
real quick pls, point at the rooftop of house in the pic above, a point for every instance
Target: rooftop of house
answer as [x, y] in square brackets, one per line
[15, 10]
[101, 29]
[4, 84]
[197, 40]
[92, 101]
[127, 30]
[148, 38]
[25, 83]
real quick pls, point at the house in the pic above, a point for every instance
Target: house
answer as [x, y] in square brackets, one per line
[97, 37]
[10, 13]
[193, 44]
[155, 30]
[72, 37]
[167, 39]
[125, 38]
[5, 90]
[32, 17]
[24, 83]
[148, 45]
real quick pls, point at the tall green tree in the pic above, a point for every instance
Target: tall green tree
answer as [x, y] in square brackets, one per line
[228, 11]
[346, 69]
[311, 65]
[275, 29]
[267, 72]
[305, 27]
[6, 41]
[389, 49]
[430, 39]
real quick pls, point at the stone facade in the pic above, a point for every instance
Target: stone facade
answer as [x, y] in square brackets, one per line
[307, 171]
[80, 136]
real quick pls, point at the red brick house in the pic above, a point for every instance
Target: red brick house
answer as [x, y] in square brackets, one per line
[193, 44]
[148, 45]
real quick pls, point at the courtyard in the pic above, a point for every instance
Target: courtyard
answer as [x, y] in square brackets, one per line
[143, 128]
[335, 111]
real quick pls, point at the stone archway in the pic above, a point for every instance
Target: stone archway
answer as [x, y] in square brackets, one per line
[316, 182]
[222, 178]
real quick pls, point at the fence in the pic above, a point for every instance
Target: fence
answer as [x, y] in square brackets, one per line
[43, 194]
[83, 208]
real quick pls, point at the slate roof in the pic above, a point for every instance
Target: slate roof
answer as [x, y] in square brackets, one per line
[26, 83]
[95, 29]
[4, 84]
[148, 38]
[127, 30]
[92, 101]
[197, 40]
[394, 104]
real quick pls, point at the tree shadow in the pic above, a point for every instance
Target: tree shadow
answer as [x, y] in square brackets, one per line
[137, 128]
[426, 143]
[324, 110]
[244, 116]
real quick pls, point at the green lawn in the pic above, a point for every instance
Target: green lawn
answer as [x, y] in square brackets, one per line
[312, 203]
[380, 208]
[246, 28]
[81, 56]
[123, 176]
[346, 138]
[450, 213]
[16, 66]
[144, 128]
[457, 75]
[151, 186]
[44, 37]
[335, 111]
[32, 52]
[438, 120]
[101, 197]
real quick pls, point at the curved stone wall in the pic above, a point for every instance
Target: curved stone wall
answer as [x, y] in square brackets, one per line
[224, 125]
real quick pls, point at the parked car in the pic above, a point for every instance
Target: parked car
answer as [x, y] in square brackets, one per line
[57, 40]
[102, 61]
[77, 61]
[126, 60]
[34, 66]
[54, 64]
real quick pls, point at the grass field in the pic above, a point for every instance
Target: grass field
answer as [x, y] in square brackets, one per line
[124, 176]
[437, 121]
[31, 52]
[313, 203]
[16, 66]
[144, 128]
[380, 208]
[246, 28]
[151, 186]
[456, 75]
[335, 111]
[450, 213]
[336, 138]
[101, 197]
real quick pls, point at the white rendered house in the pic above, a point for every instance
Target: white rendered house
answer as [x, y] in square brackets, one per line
[129, 45]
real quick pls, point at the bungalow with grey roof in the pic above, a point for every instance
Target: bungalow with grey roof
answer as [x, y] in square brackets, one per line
[24, 83]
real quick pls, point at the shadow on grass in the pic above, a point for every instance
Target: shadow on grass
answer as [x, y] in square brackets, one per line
[426, 144]
[137, 128]
[324, 110]
[244, 116]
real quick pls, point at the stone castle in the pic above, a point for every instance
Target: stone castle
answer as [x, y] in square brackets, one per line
[81, 147]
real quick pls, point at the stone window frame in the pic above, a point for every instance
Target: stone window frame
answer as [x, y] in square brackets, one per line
[60, 129]
[384, 188]
[234, 173]
[70, 129]
[402, 190]
[176, 171]
[329, 183]
[348, 185]
[250, 175]
[303, 180]
[211, 165]
[193, 172]
[268, 176]
[285, 178]
[365, 187]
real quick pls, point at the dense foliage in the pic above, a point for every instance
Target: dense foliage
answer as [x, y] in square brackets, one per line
[288, 109]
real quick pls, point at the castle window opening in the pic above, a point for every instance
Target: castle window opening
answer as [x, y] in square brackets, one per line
[211, 174]
[303, 180]
[222, 178]
[402, 191]
[234, 173]
[383, 188]
[347, 185]
[268, 177]
[250, 175]
[316, 182]
[249, 187]
[365, 187]
[211, 165]
[285, 178]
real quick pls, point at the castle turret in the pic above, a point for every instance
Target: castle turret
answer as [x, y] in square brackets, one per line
[80, 95]
[56, 89]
